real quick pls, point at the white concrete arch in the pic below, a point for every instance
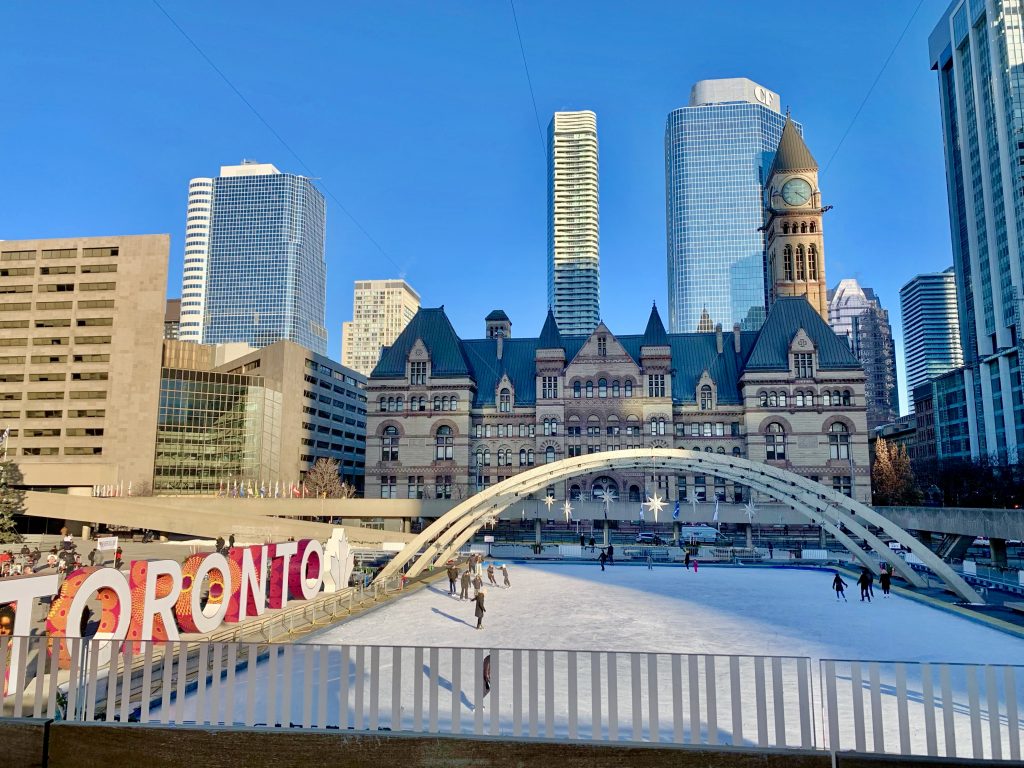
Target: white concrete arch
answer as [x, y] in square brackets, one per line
[440, 540]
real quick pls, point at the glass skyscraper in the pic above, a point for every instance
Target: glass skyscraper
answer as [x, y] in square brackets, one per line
[977, 49]
[265, 269]
[931, 332]
[717, 152]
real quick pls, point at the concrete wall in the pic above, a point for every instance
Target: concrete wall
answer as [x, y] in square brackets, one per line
[992, 523]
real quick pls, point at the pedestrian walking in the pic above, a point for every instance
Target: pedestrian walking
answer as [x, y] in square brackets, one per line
[117, 557]
[865, 584]
[611, 554]
[92, 557]
[885, 579]
[231, 541]
[219, 544]
[650, 562]
[839, 585]
[453, 574]
[490, 574]
[480, 610]
[465, 579]
[602, 559]
[504, 573]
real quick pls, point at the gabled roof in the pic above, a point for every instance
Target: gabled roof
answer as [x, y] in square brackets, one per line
[792, 154]
[655, 335]
[433, 327]
[786, 316]
[550, 338]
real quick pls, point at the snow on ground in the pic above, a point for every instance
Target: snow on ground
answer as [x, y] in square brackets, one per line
[725, 610]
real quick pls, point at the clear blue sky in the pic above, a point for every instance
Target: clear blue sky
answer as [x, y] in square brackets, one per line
[417, 117]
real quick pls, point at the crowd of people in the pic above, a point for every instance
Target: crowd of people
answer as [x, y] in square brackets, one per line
[866, 582]
[459, 583]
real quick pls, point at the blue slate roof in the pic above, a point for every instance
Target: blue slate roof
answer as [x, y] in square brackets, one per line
[692, 353]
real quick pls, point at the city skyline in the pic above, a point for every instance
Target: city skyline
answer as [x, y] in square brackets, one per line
[631, 103]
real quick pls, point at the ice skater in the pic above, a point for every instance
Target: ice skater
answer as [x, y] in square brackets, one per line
[686, 560]
[650, 562]
[504, 573]
[839, 585]
[465, 579]
[611, 554]
[453, 574]
[480, 610]
[602, 559]
[865, 584]
[695, 565]
[885, 579]
[490, 574]
[478, 582]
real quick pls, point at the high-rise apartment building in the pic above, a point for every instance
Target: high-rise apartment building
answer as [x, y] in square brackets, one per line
[856, 314]
[261, 275]
[380, 311]
[574, 283]
[977, 50]
[81, 328]
[718, 151]
[931, 330]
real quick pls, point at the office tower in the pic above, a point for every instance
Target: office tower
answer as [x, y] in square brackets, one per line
[380, 311]
[80, 344]
[931, 331]
[574, 277]
[197, 248]
[977, 50]
[856, 314]
[717, 154]
[172, 319]
[265, 273]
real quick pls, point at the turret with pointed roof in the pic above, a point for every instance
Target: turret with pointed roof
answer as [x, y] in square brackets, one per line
[655, 334]
[550, 338]
[792, 154]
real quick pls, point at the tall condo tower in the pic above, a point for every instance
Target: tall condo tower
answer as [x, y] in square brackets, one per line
[574, 279]
[977, 51]
[265, 273]
[717, 154]
[380, 311]
[197, 252]
[931, 330]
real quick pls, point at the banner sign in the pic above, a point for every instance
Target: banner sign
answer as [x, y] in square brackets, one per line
[107, 544]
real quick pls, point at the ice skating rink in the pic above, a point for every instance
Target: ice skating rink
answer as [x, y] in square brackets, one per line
[724, 610]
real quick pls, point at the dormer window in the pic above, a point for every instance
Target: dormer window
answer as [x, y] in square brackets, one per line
[803, 363]
[706, 398]
[505, 401]
[418, 373]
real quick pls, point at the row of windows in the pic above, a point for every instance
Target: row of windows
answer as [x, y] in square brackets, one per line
[579, 388]
[838, 442]
[397, 404]
[59, 253]
[93, 450]
[416, 489]
[802, 399]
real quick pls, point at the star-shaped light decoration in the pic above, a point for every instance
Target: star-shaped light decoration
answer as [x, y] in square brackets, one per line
[654, 505]
[750, 510]
[606, 495]
[549, 500]
[567, 508]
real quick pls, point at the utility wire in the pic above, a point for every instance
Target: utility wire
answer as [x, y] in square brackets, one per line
[874, 83]
[276, 135]
[529, 82]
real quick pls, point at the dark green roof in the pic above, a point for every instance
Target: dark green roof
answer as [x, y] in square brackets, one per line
[792, 154]
[438, 335]
[655, 335]
[496, 315]
[550, 337]
[785, 318]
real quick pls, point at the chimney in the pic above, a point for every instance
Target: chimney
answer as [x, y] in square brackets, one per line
[718, 337]
[501, 341]
[736, 338]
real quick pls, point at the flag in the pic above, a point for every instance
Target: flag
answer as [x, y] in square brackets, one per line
[5, 435]
[129, 487]
[715, 518]
[675, 512]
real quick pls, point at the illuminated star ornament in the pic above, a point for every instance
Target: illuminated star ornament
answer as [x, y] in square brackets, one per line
[549, 500]
[567, 508]
[654, 505]
[750, 510]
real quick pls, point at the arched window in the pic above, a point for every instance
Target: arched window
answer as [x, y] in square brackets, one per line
[383, 404]
[575, 494]
[785, 227]
[837, 398]
[577, 390]
[782, 399]
[590, 389]
[501, 458]
[720, 449]
[522, 457]
[812, 262]
[487, 457]
[391, 404]
[444, 444]
[800, 274]
[628, 388]
[736, 452]
[787, 262]
[554, 427]
[811, 227]
[803, 227]
[547, 427]
[846, 397]
[826, 398]
[549, 454]
[708, 449]
[454, 403]
[437, 402]
[775, 442]
[705, 398]
[798, 399]
[529, 457]
[615, 388]
[838, 441]
[602, 387]
[661, 426]
[400, 403]
[654, 426]
[389, 444]
[634, 493]
[773, 399]
[762, 399]
[505, 401]
[479, 457]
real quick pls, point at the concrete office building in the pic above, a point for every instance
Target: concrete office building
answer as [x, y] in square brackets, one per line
[931, 330]
[977, 52]
[172, 319]
[380, 311]
[81, 329]
[574, 270]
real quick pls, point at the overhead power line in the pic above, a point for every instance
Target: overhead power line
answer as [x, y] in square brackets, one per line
[874, 83]
[529, 81]
[276, 135]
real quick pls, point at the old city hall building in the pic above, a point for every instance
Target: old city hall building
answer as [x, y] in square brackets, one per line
[448, 417]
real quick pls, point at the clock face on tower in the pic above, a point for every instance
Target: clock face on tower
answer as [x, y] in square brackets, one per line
[796, 192]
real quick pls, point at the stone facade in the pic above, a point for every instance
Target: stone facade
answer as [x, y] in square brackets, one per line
[448, 417]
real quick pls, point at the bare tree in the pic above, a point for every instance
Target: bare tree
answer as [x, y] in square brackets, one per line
[323, 480]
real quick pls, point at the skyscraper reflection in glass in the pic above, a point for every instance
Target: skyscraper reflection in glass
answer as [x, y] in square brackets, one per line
[717, 152]
[266, 277]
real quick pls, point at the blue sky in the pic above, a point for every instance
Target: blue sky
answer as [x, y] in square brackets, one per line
[417, 117]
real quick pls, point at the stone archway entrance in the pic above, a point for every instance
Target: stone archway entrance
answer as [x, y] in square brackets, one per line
[847, 520]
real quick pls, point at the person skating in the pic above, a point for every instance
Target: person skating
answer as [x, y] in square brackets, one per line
[504, 573]
[839, 585]
[865, 585]
[885, 579]
[592, 542]
[490, 574]
[611, 554]
[480, 610]
[650, 562]
[695, 565]
[453, 574]
[478, 582]
[602, 558]
[465, 580]
[686, 560]
[583, 541]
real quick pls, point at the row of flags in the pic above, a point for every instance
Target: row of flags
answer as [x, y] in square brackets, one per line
[112, 490]
[261, 490]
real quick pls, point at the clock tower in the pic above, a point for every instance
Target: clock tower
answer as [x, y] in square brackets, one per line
[794, 251]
